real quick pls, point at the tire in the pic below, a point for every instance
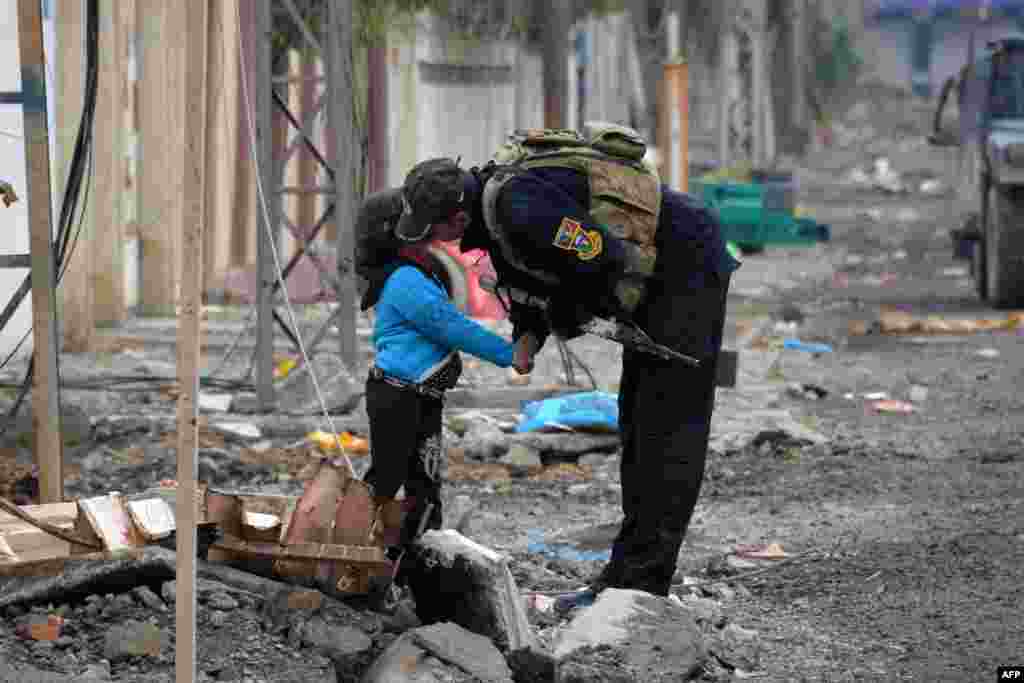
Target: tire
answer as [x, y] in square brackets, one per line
[454, 277]
[978, 268]
[1004, 247]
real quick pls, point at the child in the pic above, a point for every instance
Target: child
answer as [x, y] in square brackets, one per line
[417, 334]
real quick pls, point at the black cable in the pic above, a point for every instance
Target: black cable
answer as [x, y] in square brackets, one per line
[81, 163]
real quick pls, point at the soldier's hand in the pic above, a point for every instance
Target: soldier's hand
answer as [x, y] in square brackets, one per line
[526, 349]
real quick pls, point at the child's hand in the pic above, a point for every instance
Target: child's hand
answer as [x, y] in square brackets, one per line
[526, 349]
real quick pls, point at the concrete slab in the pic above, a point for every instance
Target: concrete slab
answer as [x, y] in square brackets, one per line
[458, 580]
[655, 637]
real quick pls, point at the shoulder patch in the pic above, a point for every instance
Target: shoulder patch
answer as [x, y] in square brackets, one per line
[571, 236]
[565, 237]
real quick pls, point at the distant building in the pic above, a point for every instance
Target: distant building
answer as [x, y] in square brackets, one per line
[920, 43]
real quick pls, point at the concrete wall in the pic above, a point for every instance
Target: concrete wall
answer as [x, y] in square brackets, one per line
[451, 98]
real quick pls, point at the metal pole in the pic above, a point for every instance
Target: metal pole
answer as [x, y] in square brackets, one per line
[45, 391]
[341, 116]
[267, 207]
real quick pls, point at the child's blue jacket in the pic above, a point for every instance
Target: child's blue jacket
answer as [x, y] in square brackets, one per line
[418, 327]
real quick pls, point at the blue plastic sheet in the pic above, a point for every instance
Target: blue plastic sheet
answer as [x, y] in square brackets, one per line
[586, 411]
[562, 551]
[798, 345]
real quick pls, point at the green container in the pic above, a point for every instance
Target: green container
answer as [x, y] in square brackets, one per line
[758, 214]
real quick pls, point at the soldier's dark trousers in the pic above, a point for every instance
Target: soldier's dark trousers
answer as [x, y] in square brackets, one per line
[665, 406]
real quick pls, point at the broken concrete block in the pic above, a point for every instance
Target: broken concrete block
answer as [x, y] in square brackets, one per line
[655, 638]
[406, 662]
[456, 579]
[739, 647]
[522, 458]
[704, 610]
[469, 651]
[415, 657]
[336, 642]
[484, 441]
[597, 665]
[566, 444]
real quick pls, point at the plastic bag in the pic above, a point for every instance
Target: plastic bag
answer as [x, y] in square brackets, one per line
[594, 411]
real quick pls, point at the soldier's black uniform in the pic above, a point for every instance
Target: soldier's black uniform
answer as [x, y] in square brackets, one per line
[665, 406]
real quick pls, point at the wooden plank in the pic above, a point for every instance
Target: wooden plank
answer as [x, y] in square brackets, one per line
[45, 403]
[191, 228]
[33, 544]
[109, 517]
[110, 170]
[75, 294]
[306, 551]
[58, 514]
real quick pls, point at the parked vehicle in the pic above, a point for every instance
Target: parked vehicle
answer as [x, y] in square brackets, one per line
[990, 94]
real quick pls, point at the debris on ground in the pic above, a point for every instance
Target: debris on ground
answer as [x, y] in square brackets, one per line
[809, 347]
[807, 391]
[899, 322]
[893, 406]
[328, 443]
[761, 551]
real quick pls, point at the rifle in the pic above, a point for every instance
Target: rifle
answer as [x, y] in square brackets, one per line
[627, 334]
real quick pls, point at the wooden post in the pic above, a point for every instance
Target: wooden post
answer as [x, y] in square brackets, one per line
[193, 163]
[110, 169]
[340, 71]
[161, 136]
[677, 77]
[45, 396]
[76, 293]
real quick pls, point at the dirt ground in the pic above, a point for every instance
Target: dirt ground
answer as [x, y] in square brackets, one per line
[904, 531]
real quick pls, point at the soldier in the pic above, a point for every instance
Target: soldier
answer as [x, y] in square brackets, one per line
[581, 222]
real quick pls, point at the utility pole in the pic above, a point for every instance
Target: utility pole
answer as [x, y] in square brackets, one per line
[340, 72]
[45, 397]
[557, 20]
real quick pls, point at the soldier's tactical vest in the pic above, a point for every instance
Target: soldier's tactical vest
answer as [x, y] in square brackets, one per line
[625, 192]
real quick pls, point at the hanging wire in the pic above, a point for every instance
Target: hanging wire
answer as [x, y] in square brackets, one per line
[260, 190]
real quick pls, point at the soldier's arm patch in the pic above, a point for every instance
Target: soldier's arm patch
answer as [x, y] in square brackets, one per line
[571, 236]
[565, 237]
[589, 244]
